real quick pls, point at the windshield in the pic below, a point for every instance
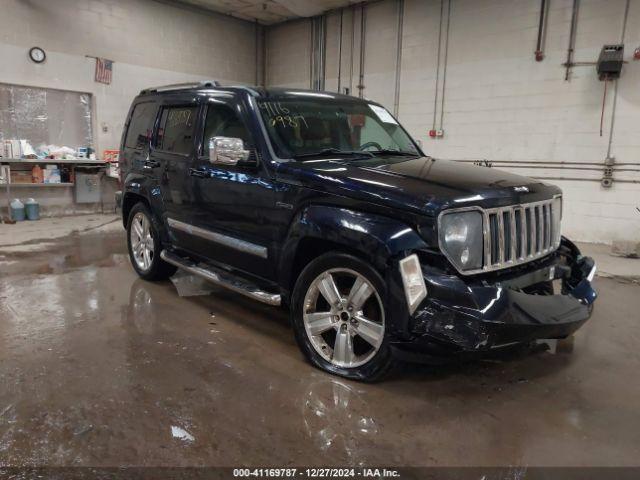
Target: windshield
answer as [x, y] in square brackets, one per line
[304, 127]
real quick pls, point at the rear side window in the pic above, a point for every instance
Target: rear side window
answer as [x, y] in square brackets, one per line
[141, 125]
[177, 125]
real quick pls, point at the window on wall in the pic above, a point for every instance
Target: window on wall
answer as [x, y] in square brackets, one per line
[175, 133]
[44, 116]
[141, 125]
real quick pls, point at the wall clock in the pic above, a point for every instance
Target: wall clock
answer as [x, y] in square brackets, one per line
[37, 55]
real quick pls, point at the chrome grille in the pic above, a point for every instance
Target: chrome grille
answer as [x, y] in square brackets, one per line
[518, 234]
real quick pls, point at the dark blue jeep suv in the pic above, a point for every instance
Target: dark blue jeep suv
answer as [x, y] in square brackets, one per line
[324, 204]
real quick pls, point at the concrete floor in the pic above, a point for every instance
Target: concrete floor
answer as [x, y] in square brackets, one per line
[100, 368]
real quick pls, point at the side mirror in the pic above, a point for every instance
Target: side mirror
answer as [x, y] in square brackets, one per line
[419, 142]
[227, 151]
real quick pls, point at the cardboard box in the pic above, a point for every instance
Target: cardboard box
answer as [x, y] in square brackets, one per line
[21, 177]
[51, 175]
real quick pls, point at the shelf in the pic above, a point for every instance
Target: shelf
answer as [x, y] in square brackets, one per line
[36, 185]
[50, 161]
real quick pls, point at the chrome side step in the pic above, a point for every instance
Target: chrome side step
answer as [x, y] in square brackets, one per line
[222, 278]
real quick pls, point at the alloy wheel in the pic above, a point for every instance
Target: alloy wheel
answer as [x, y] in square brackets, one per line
[142, 244]
[344, 317]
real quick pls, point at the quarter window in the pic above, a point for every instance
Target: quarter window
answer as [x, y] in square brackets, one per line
[141, 125]
[175, 133]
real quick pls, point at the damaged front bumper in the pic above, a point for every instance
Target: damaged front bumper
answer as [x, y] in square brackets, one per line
[474, 315]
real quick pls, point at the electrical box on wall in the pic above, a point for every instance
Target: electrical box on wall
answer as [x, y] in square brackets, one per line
[610, 61]
[88, 189]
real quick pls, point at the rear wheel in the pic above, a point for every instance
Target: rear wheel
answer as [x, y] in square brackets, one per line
[143, 240]
[339, 317]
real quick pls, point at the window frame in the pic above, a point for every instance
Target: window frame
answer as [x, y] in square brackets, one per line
[154, 118]
[168, 106]
[217, 102]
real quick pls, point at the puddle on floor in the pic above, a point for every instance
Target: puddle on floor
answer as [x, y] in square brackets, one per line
[189, 285]
[68, 253]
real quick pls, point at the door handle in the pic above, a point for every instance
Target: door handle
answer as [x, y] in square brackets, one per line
[198, 172]
[149, 164]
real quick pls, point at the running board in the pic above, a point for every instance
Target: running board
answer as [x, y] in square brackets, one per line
[222, 278]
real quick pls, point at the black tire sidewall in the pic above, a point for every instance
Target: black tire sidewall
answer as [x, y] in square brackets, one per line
[382, 361]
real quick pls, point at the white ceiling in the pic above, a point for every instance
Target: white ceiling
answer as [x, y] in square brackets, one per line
[270, 11]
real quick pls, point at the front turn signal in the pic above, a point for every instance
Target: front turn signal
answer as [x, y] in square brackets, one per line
[413, 281]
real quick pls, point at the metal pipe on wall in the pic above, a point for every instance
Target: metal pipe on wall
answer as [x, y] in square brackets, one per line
[340, 50]
[351, 50]
[363, 24]
[578, 179]
[318, 52]
[323, 52]
[435, 97]
[615, 88]
[539, 54]
[396, 101]
[541, 162]
[572, 38]
[256, 26]
[446, 61]
[312, 53]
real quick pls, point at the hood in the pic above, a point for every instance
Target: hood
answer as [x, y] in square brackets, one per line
[425, 185]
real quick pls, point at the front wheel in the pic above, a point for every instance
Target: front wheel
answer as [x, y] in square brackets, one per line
[339, 317]
[143, 240]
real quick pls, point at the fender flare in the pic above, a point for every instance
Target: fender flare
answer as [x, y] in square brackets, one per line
[375, 237]
[143, 187]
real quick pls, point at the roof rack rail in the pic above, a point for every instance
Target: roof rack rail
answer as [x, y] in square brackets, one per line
[181, 86]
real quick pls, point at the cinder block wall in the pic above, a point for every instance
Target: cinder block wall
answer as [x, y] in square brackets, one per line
[500, 104]
[152, 43]
[288, 51]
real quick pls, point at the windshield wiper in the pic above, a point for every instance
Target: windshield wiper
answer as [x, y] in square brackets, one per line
[330, 152]
[390, 151]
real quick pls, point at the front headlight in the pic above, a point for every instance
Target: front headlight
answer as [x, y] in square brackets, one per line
[461, 238]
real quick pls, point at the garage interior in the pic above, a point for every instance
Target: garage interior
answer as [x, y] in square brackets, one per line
[100, 368]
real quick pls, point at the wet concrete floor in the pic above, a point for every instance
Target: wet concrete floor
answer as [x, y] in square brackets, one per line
[100, 368]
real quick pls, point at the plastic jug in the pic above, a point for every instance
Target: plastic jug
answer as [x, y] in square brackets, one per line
[37, 175]
[32, 209]
[17, 210]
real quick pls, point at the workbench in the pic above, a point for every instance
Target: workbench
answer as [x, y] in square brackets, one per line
[96, 166]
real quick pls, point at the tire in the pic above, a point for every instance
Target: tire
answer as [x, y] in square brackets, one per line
[143, 241]
[342, 330]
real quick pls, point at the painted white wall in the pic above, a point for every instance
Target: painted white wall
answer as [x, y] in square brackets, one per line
[288, 54]
[152, 44]
[500, 103]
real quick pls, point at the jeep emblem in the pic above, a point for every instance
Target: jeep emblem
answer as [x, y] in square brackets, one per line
[522, 189]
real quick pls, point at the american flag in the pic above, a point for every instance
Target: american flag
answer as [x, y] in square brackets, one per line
[104, 69]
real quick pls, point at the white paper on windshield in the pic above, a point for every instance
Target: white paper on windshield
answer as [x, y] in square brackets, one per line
[383, 114]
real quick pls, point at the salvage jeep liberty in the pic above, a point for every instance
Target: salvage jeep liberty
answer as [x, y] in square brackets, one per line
[324, 204]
